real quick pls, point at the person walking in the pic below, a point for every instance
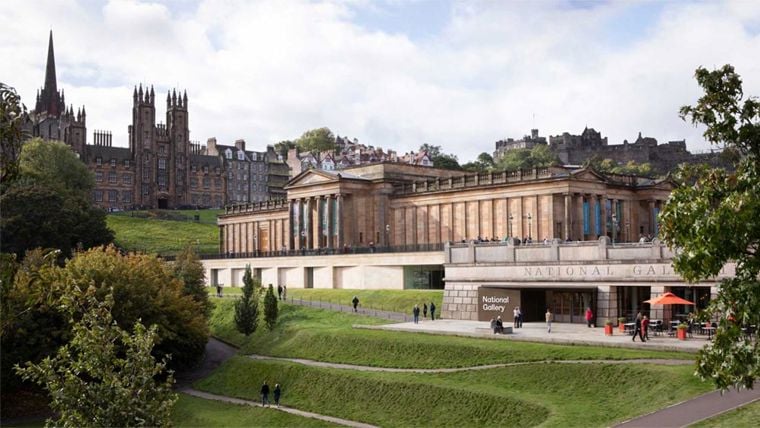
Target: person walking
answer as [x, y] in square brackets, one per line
[277, 393]
[549, 319]
[589, 317]
[432, 311]
[355, 301]
[416, 314]
[637, 327]
[279, 291]
[284, 292]
[519, 317]
[424, 310]
[644, 332]
[516, 316]
[265, 394]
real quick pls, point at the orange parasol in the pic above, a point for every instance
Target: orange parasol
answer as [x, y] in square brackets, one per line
[668, 299]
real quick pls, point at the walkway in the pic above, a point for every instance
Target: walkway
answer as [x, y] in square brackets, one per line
[323, 364]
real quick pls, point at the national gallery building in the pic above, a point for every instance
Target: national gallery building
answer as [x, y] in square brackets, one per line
[575, 239]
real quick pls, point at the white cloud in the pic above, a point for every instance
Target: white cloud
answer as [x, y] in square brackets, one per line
[267, 71]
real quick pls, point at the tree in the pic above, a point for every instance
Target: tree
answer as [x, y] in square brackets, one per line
[316, 141]
[540, 156]
[247, 308]
[189, 269]
[282, 148]
[104, 376]
[613, 167]
[440, 159]
[12, 134]
[53, 164]
[711, 218]
[270, 308]
[483, 163]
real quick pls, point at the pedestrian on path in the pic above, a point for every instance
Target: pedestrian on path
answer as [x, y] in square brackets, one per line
[279, 291]
[424, 310]
[432, 311]
[416, 313]
[265, 394]
[644, 332]
[637, 328]
[284, 292]
[516, 316]
[589, 317]
[277, 392]
[549, 319]
[519, 317]
[218, 291]
[355, 301]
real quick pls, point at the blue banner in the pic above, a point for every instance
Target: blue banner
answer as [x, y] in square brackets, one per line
[586, 219]
[656, 221]
[598, 218]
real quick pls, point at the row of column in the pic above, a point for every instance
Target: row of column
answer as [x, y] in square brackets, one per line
[624, 226]
[252, 236]
[328, 233]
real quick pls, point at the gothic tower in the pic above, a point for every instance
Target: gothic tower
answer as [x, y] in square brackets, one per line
[179, 137]
[49, 100]
[142, 144]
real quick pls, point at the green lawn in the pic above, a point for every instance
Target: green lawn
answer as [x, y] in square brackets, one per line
[323, 335]
[386, 300]
[746, 416]
[541, 394]
[204, 216]
[165, 237]
[196, 412]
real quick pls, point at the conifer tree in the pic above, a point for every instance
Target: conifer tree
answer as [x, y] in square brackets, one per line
[270, 308]
[247, 308]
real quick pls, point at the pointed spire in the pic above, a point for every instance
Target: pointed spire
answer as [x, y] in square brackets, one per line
[152, 95]
[51, 85]
[174, 97]
[140, 93]
[168, 99]
[134, 94]
[185, 99]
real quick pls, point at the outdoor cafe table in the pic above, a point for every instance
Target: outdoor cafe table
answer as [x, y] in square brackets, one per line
[629, 327]
[709, 330]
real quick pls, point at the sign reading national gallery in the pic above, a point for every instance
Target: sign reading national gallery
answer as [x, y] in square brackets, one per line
[495, 302]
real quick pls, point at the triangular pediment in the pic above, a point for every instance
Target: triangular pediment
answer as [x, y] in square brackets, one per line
[312, 177]
[588, 175]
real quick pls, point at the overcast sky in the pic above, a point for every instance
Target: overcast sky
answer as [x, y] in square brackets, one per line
[393, 74]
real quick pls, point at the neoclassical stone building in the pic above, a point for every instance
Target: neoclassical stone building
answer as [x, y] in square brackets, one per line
[396, 205]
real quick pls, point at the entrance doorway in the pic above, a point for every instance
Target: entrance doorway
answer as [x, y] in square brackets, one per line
[570, 306]
[533, 305]
[163, 203]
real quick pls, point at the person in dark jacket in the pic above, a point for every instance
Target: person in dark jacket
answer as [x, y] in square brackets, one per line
[499, 326]
[279, 291]
[265, 394]
[277, 392]
[644, 332]
[416, 314]
[355, 301]
[424, 310]
[637, 328]
[432, 311]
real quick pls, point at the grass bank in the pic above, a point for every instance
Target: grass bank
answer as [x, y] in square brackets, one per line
[196, 412]
[746, 416]
[165, 237]
[304, 332]
[540, 394]
[204, 216]
[387, 300]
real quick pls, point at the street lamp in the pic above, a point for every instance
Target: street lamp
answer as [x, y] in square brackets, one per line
[387, 235]
[530, 225]
[510, 225]
[303, 238]
[614, 227]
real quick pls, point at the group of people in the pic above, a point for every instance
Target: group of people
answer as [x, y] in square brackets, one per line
[518, 317]
[641, 328]
[416, 312]
[282, 292]
[497, 325]
[265, 394]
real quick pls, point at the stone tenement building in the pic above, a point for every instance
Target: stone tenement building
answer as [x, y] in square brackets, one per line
[577, 149]
[161, 168]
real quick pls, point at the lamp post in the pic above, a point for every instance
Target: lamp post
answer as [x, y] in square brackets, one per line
[510, 225]
[387, 235]
[530, 226]
[303, 239]
[614, 227]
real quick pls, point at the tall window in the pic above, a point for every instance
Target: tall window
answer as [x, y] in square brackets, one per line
[113, 163]
[98, 196]
[162, 163]
[112, 178]
[206, 182]
[126, 178]
[98, 161]
[98, 176]
[113, 195]
[126, 196]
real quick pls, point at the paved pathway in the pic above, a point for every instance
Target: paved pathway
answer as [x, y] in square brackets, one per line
[339, 421]
[695, 410]
[323, 364]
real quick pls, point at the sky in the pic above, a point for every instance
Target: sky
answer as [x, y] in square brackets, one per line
[391, 73]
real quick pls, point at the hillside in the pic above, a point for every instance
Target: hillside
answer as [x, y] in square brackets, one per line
[165, 232]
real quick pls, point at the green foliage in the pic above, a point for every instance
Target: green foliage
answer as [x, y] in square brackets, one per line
[539, 156]
[270, 308]
[104, 376]
[162, 237]
[53, 164]
[247, 308]
[144, 289]
[196, 412]
[316, 141]
[440, 159]
[282, 148]
[611, 166]
[12, 135]
[483, 163]
[713, 218]
[189, 269]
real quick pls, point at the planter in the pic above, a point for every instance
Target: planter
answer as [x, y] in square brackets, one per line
[608, 329]
[681, 333]
[621, 327]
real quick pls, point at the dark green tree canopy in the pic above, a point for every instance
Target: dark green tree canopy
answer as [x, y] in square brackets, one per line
[316, 141]
[12, 135]
[440, 159]
[247, 308]
[53, 164]
[189, 269]
[713, 218]
[539, 156]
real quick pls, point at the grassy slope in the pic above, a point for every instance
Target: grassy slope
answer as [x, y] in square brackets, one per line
[387, 300]
[328, 336]
[196, 412]
[204, 216]
[546, 394]
[164, 237]
[746, 416]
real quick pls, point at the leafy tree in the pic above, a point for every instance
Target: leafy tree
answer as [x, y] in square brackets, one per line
[712, 219]
[539, 156]
[247, 308]
[483, 163]
[316, 141]
[432, 151]
[270, 308]
[53, 164]
[613, 167]
[440, 159]
[282, 148]
[189, 269]
[12, 135]
[104, 376]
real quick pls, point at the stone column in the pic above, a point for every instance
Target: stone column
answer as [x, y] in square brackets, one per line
[328, 208]
[603, 219]
[651, 216]
[320, 225]
[591, 215]
[289, 232]
[299, 225]
[339, 213]
[308, 224]
[579, 217]
[567, 218]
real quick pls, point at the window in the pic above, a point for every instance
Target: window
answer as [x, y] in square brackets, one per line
[193, 183]
[145, 189]
[126, 178]
[146, 174]
[241, 155]
[228, 154]
[98, 176]
[113, 163]
[113, 195]
[98, 196]
[162, 182]
[231, 175]
[126, 196]
[112, 177]
[206, 182]
[192, 168]
[161, 149]
[205, 169]
[126, 163]
[162, 163]
[218, 183]
[98, 161]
